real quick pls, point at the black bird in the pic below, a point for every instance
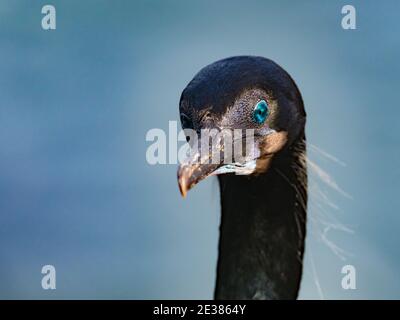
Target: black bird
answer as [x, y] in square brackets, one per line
[263, 208]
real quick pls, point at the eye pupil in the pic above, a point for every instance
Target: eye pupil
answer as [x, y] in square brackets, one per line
[261, 112]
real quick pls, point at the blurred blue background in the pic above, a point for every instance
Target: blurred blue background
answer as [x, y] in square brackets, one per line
[76, 103]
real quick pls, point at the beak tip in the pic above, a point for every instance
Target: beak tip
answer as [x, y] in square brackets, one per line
[182, 186]
[183, 191]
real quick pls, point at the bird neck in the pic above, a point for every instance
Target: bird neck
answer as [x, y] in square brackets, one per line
[262, 230]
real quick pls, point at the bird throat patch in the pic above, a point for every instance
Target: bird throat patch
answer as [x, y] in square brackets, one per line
[270, 145]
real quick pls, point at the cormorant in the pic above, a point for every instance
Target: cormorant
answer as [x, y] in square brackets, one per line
[263, 209]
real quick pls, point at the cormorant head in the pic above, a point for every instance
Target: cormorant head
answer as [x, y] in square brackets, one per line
[252, 94]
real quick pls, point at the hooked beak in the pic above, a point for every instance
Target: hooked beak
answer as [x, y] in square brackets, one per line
[189, 176]
[197, 166]
[258, 155]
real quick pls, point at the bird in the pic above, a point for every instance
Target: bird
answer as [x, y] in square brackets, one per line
[263, 199]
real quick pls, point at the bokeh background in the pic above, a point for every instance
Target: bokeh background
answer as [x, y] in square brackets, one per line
[76, 103]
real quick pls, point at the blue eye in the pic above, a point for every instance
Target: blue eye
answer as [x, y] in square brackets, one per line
[260, 112]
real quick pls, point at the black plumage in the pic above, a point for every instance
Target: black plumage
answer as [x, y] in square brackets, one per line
[263, 213]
